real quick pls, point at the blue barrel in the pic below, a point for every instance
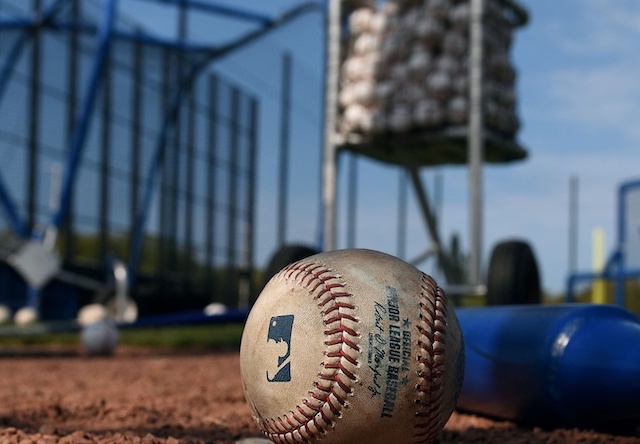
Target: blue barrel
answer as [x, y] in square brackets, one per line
[569, 365]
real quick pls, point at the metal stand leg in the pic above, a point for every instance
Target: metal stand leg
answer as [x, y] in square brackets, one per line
[432, 229]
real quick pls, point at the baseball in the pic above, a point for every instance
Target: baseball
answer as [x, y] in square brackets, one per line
[92, 313]
[99, 338]
[351, 346]
[25, 316]
[5, 314]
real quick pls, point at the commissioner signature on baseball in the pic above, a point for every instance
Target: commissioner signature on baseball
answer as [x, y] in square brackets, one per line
[376, 358]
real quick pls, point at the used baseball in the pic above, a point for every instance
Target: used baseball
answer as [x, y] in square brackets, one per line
[99, 338]
[25, 316]
[351, 346]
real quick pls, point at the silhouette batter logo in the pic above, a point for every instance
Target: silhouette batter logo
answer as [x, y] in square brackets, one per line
[280, 328]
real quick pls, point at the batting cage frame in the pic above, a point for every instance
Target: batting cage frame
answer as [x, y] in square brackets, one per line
[123, 122]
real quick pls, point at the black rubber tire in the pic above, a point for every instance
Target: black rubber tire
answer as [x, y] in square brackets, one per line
[285, 256]
[513, 276]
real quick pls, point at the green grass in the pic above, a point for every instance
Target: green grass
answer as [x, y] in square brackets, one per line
[215, 337]
[202, 336]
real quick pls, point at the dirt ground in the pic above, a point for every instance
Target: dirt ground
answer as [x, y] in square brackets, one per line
[149, 396]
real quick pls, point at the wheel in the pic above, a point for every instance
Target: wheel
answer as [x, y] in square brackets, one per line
[513, 276]
[285, 256]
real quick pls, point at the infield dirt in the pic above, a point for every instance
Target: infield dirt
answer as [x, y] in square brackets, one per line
[57, 395]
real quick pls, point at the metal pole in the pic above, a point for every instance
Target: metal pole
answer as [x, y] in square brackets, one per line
[438, 193]
[212, 136]
[429, 218]
[251, 203]
[285, 108]
[34, 114]
[189, 195]
[352, 201]
[72, 107]
[84, 118]
[476, 139]
[162, 265]
[174, 180]
[329, 172]
[402, 215]
[573, 224]
[178, 204]
[233, 192]
[105, 165]
[619, 264]
[136, 134]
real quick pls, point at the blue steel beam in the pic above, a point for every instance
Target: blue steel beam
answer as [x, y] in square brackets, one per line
[23, 38]
[18, 225]
[105, 33]
[207, 50]
[220, 9]
[16, 23]
[138, 37]
[13, 55]
[211, 51]
[86, 111]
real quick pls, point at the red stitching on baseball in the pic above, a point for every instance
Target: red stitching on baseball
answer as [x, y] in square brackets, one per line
[318, 284]
[342, 385]
[311, 418]
[334, 409]
[342, 354]
[339, 366]
[338, 306]
[311, 406]
[340, 317]
[320, 397]
[345, 341]
[291, 423]
[303, 413]
[433, 315]
[341, 328]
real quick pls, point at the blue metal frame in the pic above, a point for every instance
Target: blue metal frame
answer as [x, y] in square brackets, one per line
[220, 10]
[170, 118]
[18, 224]
[86, 111]
[16, 50]
[615, 268]
[105, 32]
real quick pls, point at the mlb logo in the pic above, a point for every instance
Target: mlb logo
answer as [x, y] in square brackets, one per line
[280, 328]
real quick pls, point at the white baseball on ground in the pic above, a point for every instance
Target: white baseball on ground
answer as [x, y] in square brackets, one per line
[215, 308]
[92, 313]
[351, 346]
[25, 316]
[99, 338]
[5, 314]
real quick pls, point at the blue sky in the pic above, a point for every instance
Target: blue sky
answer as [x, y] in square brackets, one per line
[579, 103]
